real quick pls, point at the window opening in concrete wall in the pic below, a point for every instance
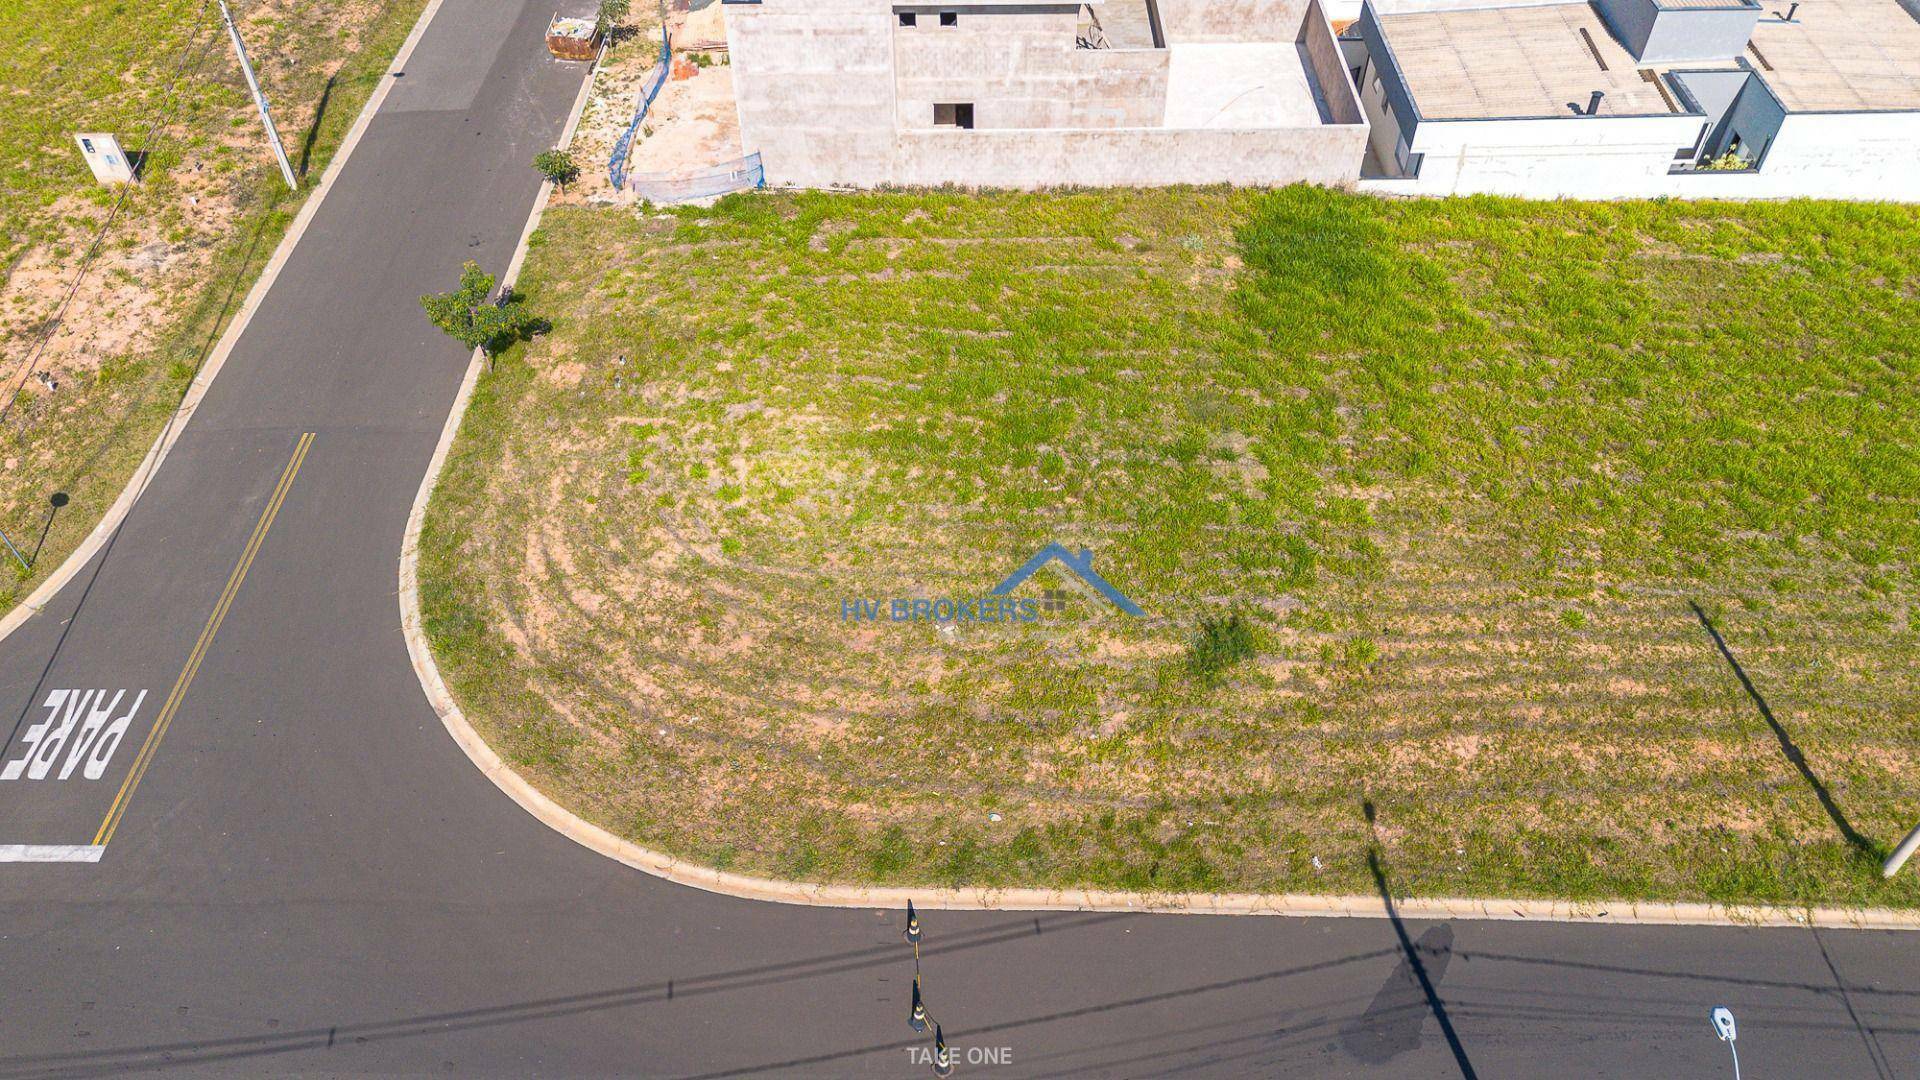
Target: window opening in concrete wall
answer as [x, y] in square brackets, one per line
[949, 18]
[907, 18]
[953, 114]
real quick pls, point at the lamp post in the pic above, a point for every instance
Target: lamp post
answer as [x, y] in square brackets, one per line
[1723, 1026]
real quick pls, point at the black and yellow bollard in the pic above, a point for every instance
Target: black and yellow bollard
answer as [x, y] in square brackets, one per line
[918, 1017]
[942, 1057]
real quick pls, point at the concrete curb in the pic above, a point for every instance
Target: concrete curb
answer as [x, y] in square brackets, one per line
[116, 514]
[741, 886]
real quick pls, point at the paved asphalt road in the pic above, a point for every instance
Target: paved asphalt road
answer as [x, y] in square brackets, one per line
[309, 877]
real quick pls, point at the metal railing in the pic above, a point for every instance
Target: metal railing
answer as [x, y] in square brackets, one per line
[649, 89]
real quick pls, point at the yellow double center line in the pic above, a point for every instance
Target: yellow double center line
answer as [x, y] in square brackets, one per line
[172, 706]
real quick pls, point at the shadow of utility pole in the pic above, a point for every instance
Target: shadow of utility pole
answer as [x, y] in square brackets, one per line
[1860, 843]
[313, 129]
[1391, 1025]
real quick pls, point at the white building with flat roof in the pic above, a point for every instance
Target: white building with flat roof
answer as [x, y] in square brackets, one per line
[1637, 98]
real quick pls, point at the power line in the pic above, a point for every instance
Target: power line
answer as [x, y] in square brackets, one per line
[153, 136]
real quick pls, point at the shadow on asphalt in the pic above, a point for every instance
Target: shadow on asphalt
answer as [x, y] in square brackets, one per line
[1391, 1024]
[190, 1053]
[1393, 1020]
[957, 1034]
[1865, 847]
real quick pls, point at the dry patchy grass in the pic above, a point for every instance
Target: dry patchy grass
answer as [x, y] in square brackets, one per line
[1460, 468]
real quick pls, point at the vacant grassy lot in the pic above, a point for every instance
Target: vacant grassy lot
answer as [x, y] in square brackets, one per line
[189, 241]
[1459, 468]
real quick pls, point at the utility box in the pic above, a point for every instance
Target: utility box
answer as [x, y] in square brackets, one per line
[104, 156]
[570, 39]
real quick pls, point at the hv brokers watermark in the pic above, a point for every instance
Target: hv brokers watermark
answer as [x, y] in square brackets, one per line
[998, 606]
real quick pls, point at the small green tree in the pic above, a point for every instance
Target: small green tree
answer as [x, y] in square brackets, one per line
[612, 14]
[472, 317]
[557, 166]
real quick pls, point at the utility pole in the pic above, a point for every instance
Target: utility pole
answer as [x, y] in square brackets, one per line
[260, 99]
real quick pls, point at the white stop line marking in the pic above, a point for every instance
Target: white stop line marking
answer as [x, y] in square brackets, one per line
[51, 852]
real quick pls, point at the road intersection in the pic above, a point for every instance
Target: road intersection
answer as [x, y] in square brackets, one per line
[240, 842]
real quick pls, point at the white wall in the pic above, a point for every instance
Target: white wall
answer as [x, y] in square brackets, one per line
[1586, 157]
[1827, 155]
[1844, 156]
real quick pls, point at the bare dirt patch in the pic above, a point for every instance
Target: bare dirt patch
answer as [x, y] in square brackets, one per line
[691, 124]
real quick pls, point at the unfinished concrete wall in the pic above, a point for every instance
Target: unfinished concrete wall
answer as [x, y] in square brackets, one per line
[1230, 20]
[1327, 66]
[1019, 68]
[836, 92]
[1135, 157]
[814, 83]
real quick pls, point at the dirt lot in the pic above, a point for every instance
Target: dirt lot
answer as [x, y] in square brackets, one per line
[692, 123]
[1460, 470]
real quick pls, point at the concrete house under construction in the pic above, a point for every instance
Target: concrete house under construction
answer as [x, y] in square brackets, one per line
[1028, 94]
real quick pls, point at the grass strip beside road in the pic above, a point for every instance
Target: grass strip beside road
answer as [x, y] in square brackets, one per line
[1417, 497]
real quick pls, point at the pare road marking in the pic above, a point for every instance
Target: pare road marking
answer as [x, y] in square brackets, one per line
[82, 722]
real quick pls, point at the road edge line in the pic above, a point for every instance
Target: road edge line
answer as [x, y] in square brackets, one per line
[163, 443]
[817, 894]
